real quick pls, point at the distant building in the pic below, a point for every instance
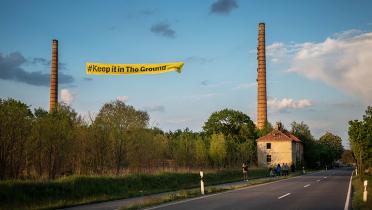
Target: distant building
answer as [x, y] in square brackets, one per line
[279, 146]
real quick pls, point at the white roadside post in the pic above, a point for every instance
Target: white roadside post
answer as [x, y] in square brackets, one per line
[365, 191]
[201, 183]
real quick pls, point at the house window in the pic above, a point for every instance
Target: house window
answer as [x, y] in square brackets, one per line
[268, 145]
[268, 158]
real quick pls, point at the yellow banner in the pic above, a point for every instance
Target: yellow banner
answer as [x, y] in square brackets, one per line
[100, 68]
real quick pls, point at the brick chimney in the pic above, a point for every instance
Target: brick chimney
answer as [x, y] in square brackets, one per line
[54, 77]
[261, 79]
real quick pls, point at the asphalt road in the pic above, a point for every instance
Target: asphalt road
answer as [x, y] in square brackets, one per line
[321, 190]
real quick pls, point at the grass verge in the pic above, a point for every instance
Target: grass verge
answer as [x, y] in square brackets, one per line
[76, 190]
[357, 195]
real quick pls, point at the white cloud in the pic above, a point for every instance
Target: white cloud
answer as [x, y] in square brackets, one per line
[276, 52]
[122, 98]
[67, 96]
[288, 103]
[342, 61]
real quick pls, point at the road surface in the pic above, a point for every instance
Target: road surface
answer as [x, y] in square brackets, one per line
[321, 190]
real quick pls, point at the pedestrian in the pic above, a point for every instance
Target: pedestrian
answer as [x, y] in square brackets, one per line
[271, 172]
[245, 172]
[293, 167]
[278, 170]
[286, 169]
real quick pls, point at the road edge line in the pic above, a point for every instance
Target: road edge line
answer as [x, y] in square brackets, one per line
[227, 191]
[347, 202]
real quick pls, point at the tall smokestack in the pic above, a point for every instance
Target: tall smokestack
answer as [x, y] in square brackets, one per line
[261, 79]
[54, 77]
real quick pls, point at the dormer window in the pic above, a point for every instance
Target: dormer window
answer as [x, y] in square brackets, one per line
[268, 145]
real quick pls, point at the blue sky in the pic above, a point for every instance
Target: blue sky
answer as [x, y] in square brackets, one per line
[317, 57]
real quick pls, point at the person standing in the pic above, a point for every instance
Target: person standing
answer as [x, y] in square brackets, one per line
[271, 171]
[293, 168]
[245, 172]
[278, 169]
[286, 169]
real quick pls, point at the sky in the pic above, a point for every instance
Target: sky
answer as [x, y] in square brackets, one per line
[318, 58]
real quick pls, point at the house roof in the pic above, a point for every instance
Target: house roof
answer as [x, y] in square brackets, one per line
[279, 135]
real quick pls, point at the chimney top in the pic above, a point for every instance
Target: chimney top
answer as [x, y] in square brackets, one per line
[278, 126]
[262, 23]
[55, 40]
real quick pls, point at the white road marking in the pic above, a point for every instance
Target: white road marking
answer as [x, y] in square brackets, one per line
[284, 196]
[307, 185]
[325, 177]
[348, 194]
[229, 191]
[318, 180]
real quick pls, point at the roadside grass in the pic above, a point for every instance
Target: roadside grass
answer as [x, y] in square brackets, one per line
[191, 193]
[357, 193]
[76, 190]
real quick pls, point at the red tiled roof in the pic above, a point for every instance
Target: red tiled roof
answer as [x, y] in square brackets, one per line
[279, 135]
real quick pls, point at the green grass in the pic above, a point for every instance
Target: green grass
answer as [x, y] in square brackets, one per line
[357, 196]
[77, 190]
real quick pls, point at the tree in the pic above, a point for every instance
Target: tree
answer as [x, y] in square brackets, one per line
[268, 127]
[53, 136]
[333, 147]
[37, 142]
[15, 125]
[360, 137]
[230, 123]
[59, 134]
[217, 149]
[185, 148]
[247, 152]
[144, 149]
[232, 151]
[113, 121]
[201, 154]
[367, 118]
[347, 157]
[311, 150]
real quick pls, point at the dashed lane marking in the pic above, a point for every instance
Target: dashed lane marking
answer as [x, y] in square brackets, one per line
[284, 196]
[318, 180]
[307, 185]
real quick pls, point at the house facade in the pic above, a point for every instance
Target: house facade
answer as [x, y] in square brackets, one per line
[278, 147]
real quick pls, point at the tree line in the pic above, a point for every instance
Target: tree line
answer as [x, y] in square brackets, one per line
[118, 140]
[320, 152]
[360, 138]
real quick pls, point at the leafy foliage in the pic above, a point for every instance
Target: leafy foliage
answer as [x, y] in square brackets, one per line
[322, 152]
[333, 147]
[217, 150]
[230, 123]
[360, 137]
[15, 125]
